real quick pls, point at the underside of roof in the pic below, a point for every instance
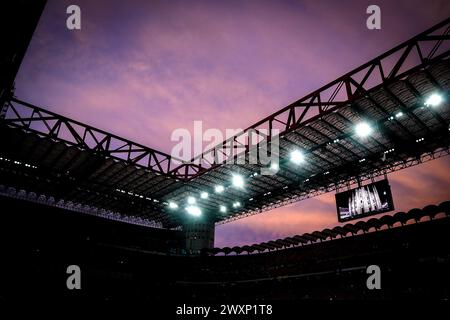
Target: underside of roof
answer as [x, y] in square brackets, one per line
[59, 158]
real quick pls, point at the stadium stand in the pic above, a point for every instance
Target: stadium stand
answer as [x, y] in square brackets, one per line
[374, 224]
[121, 262]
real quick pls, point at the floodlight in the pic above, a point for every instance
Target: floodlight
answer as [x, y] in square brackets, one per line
[204, 195]
[191, 200]
[434, 100]
[194, 211]
[363, 129]
[173, 205]
[297, 157]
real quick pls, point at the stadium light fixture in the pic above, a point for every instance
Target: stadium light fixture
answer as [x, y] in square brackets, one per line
[191, 200]
[204, 195]
[399, 114]
[219, 189]
[297, 157]
[434, 100]
[173, 205]
[274, 166]
[194, 211]
[238, 181]
[223, 209]
[236, 204]
[363, 129]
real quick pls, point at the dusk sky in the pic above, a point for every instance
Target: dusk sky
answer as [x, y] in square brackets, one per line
[141, 69]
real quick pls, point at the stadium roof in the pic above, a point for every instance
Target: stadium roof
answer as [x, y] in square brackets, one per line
[400, 96]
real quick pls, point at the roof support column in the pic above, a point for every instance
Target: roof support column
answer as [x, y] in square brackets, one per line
[199, 235]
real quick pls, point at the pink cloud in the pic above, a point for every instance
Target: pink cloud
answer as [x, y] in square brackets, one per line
[145, 68]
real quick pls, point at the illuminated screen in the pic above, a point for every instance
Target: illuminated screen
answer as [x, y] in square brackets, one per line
[363, 201]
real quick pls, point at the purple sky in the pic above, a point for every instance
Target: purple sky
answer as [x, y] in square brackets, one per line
[141, 69]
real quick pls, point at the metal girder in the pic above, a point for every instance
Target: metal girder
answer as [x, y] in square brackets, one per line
[390, 66]
[31, 118]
